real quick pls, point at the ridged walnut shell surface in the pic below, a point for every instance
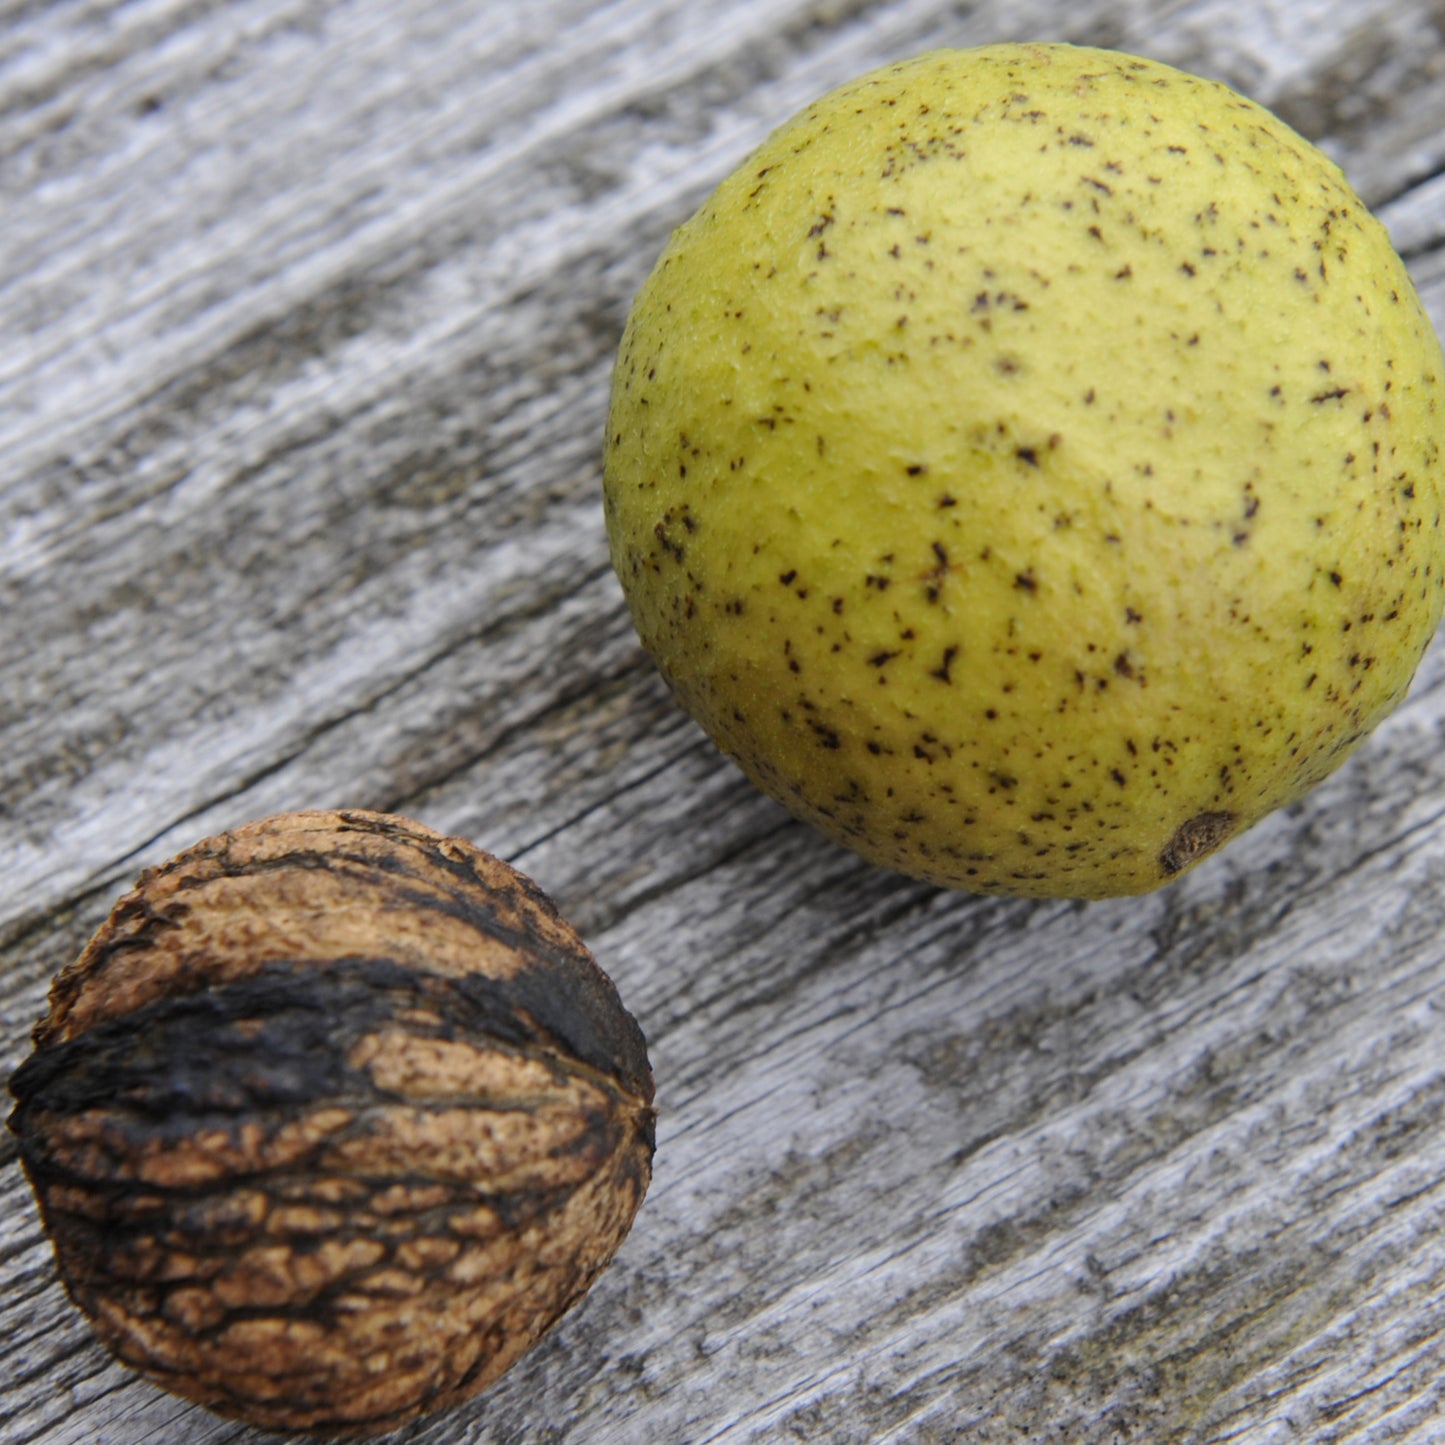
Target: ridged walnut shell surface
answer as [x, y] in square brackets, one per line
[332, 1119]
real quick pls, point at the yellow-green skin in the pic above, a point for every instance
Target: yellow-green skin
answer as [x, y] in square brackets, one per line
[1027, 467]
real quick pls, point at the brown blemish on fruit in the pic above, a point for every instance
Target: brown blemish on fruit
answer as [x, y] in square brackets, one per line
[1200, 836]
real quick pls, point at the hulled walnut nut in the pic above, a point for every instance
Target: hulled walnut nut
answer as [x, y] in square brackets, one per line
[332, 1120]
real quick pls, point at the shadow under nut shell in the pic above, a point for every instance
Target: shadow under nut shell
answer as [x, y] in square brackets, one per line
[332, 1119]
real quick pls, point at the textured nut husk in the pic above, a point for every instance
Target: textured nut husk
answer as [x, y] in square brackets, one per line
[332, 1120]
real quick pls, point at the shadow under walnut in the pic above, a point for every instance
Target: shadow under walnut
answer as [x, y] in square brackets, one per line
[332, 1120]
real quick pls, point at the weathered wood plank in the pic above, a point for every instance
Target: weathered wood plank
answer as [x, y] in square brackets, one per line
[308, 312]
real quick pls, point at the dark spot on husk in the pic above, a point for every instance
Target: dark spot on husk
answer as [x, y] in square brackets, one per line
[1195, 839]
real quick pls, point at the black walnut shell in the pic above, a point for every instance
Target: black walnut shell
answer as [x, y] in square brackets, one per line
[333, 1118]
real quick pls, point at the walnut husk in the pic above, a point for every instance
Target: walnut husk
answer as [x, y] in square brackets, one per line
[332, 1120]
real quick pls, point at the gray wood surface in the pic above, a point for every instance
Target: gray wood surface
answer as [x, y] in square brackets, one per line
[307, 309]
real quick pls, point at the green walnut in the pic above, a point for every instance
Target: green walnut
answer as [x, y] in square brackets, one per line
[1026, 465]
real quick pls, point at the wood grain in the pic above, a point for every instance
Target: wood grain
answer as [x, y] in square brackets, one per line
[308, 310]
